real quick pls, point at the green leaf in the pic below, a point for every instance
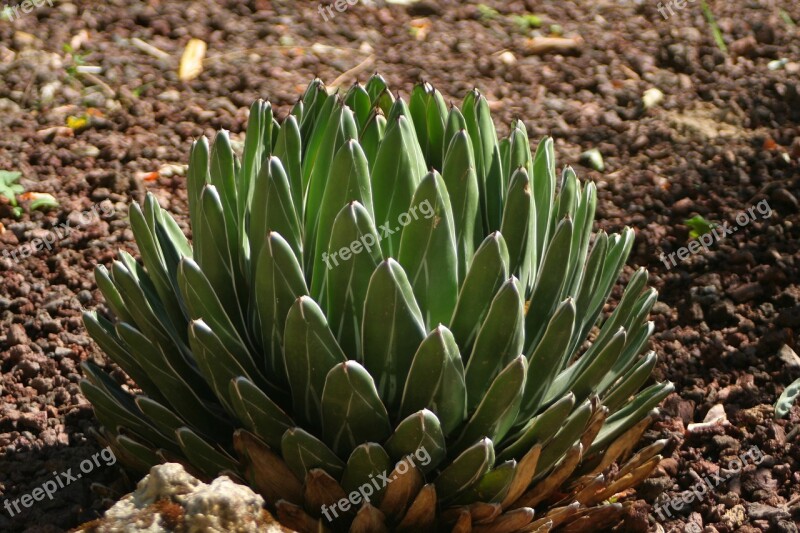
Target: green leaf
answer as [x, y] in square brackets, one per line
[257, 145]
[348, 181]
[353, 255]
[102, 331]
[486, 274]
[462, 186]
[279, 283]
[499, 407]
[258, 412]
[544, 186]
[203, 304]
[310, 352]
[372, 135]
[418, 433]
[499, 342]
[367, 462]
[340, 129]
[436, 381]
[289, 150]
[428, 250]
[398, 169]
[392, 330]
[631, 414]
[487, 157]
[547, 290]
[375, 86]
[492, 487]
[465, 471]
[537, 430]
[303, 452]
[9, 186]
[519, 228]
[360, 102]
[352, 411]
[549, 357]
[569, 435]
[274, 210]
[203, 454]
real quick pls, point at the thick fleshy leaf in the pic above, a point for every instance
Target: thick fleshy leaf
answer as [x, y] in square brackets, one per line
[192, 403]
[398, 169]
[367, 462]
[310, 352]
[302, 452]
[278, 283]
[492, 487]
[352, 411]
[353, 255]
[499, 342]
[341, 128]
[203, 454]
[218, 257]
[289, 150]
[436, 381]
[487, 273]
[419, 434]
[372, 135]
[631, 414]
[203, 303]
[498, 408]
[569, 434]
[102, 331]
[487, 157]
[218, 365]
[274, 209]
[539, 429]
[519, 228]
[546, 292]
[544, 186]
[258, 412]
[428, 250]
[257, 145]
[376, 84]
[392, 330]
[461, 179]
[465, 471]
[548, 357]
[348, 181]
[360, 102]
[429, 112]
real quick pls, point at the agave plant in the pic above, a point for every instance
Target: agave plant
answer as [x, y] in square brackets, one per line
[373, 280]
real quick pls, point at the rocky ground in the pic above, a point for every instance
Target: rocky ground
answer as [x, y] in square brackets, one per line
[724, 138]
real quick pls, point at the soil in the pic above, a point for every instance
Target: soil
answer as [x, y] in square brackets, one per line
[725, 138]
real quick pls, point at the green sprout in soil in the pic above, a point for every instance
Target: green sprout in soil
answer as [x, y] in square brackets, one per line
[43, 201]
[787, 18]
[527, 21]
[715, 31]
[487, 13]
[699, 226]
[10, 188]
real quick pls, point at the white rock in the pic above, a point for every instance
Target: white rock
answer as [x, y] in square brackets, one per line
[221, 507]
